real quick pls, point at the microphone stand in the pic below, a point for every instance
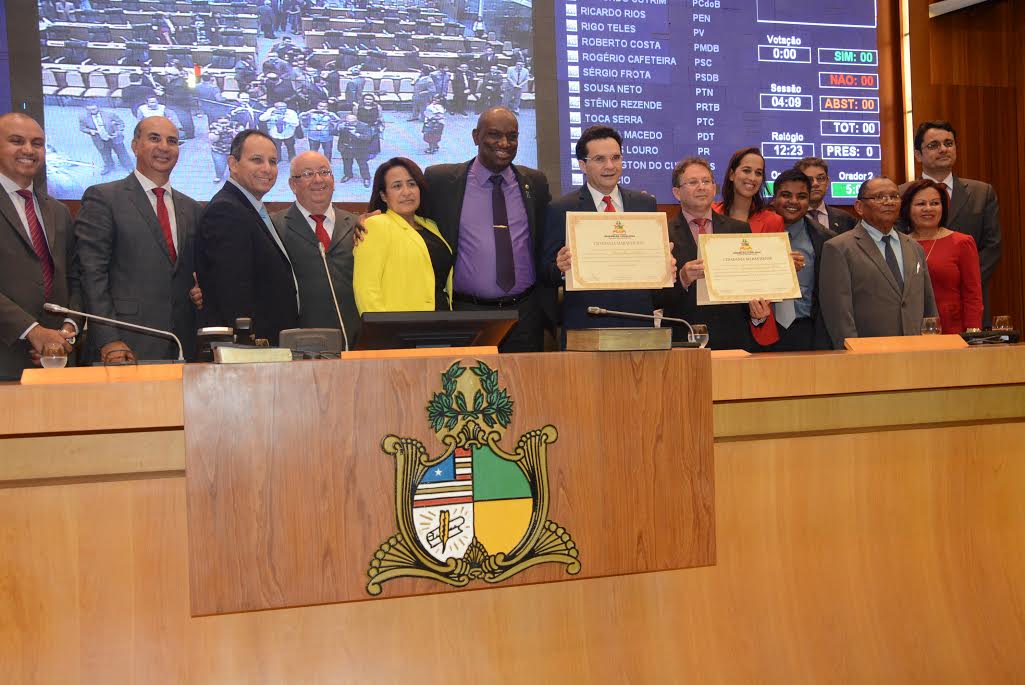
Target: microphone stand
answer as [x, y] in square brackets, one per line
[334, 298]
[601, 311]
[57, 309]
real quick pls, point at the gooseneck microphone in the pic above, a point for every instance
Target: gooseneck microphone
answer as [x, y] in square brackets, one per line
[334, 298]
[601, 311]
[57, 309]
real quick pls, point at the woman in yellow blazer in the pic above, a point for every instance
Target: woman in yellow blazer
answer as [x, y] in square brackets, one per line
[403, 264]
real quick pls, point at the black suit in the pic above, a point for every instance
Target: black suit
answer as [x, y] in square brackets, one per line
[840, 221]
[241, 269]
[447, 184]
[127, 272]
[318, 309]
[575, 304]
[728, 324]
[810, 333]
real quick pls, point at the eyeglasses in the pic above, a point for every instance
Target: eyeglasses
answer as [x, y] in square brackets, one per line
[310, 173]
[821, 178]
[696, 182]
[935, 145]
[601, 159]
[892, 197]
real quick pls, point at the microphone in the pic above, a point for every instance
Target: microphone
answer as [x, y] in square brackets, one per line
[57, 309]
[601, 311]
[334, 298]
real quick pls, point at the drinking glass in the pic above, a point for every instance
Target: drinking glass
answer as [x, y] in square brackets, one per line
[1002, 323]
[931, 325]
[700, 334]
[53, 356]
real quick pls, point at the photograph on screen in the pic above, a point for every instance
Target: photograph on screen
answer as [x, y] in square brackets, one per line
[359, 80]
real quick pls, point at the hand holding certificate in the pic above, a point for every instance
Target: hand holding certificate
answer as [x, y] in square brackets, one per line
[618, 251]
[741, 267]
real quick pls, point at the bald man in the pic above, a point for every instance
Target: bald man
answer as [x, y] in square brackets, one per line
[37, 250]
[311, 222]
[135, 247]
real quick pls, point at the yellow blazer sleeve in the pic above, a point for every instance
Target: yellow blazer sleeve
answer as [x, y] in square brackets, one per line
[369, 260]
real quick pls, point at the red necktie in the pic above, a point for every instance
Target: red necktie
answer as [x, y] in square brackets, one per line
[322, 235]
[609, 207]
[38, 242]
[699, 227]
[165, 224]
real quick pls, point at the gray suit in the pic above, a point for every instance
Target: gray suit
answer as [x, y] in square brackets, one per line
[127, 272]
[21, 278]
[974, 211]
[858, 294]
[318, 309]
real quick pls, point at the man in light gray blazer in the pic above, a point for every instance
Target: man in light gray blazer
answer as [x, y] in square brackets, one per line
[135, 242]
[874, 280]
[310, 222]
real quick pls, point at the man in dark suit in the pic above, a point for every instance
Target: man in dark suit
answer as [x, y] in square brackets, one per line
[973, 208]
[874, 280]
[835, 219]
[491, 212]
[135, 243]
[108, 135]
[309, 223]
[463, 85]
[799, 322]
[600, 156]
[37, 249]
[730, 326]
[242, 264]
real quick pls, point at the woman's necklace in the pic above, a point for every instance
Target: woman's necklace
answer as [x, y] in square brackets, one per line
[931, 247]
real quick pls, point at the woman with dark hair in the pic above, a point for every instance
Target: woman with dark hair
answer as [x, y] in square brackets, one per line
[368, 110]
[403, 264]
[952, 257]
[742, 192]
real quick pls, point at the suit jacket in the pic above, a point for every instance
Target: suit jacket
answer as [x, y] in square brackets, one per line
[317, 307]
[575, 304]
[447, 186]
[840, 221]
[241, 269]
[393, 269]
[974, 211]
[127, 272]
[728, 324]
[115, 127]
[21, 278]
[859, 295]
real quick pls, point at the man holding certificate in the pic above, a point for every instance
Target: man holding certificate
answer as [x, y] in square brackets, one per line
[730, 326]
[599, 155]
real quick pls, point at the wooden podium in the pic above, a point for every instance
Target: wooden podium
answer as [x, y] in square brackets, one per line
[334, 482]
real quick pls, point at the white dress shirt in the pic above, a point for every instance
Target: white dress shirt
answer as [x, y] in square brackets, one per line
[329, 221]
[617, 198]
[148, 186]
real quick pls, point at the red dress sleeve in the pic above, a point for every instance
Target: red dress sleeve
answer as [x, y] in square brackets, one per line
[971, 282]
[766, 221]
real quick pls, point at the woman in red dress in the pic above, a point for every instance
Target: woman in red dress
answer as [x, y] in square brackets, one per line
[952, 257]
[742, 192]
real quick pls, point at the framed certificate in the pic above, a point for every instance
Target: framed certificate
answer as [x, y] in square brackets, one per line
[740, 267]
[618, 251]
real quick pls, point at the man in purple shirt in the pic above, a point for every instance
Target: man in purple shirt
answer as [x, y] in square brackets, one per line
[492, 213]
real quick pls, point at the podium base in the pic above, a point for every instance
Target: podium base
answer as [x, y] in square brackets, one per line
[618, 339]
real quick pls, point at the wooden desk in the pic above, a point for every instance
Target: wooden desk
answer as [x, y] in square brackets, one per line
[869, 524]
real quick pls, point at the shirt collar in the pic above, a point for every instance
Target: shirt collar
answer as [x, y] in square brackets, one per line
[617, 197]
[948, 181]
[148, 185]
[257, 204]
[482, 175]
[689, 218]
[875, 233]
[12, 187]
[329, 212]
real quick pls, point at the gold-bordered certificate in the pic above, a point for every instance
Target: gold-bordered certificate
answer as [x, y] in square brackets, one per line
[618, 251]
[740, 267]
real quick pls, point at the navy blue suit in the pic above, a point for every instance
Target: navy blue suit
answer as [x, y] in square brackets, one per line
[575, 304]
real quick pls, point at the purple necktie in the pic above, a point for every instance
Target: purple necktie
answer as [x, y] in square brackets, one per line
[505, 267]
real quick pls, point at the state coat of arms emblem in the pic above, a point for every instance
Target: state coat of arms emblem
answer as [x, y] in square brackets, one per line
[475, 511]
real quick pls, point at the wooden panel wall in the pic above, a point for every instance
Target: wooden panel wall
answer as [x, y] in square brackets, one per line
[968, 67]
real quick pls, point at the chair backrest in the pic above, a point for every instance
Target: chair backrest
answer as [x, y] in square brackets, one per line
[406, 85]
[73, 78]
[49, 79]
[98, 80]
[100, 34]
[386, 86]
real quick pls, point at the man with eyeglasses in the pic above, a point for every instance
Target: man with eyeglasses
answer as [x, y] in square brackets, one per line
[600, 156]
[833, 218]
[309, 224]
[973, 208]
[874, 280]
[730, 326]
[136, 249]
